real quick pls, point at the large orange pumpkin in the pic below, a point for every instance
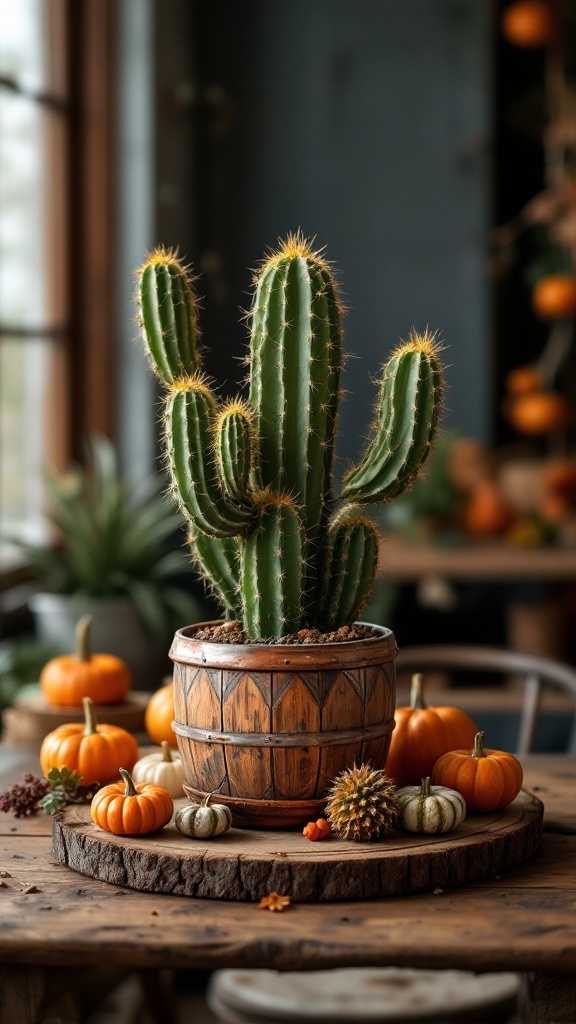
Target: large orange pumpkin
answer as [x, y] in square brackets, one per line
[160, 715]
[67, 679]
[96, 752]
[487, 779]
[129, 809]
[422, 735]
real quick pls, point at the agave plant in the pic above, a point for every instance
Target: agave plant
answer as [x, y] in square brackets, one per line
[110, 542]
[255, 477]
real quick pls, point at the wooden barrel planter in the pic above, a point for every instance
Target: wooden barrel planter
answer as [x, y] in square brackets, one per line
[268, 727]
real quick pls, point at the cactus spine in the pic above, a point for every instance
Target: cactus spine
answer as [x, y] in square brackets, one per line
[255, 478]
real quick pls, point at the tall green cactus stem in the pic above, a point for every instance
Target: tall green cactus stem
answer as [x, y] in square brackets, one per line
[255, 478]
[405, 423]
[271, 569]
[295, 364]
[169, 316]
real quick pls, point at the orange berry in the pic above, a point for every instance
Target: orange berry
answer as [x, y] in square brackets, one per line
[323, 826]
[311, 831]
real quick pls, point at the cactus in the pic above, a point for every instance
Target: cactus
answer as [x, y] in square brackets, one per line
[254, 477]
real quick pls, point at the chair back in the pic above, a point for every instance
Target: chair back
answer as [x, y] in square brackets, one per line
[535, 671]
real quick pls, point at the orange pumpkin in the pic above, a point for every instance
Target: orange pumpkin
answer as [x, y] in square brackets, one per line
[523, 380]
[487, 779]
[530, 24]
[160, 715]
[94, 751]
[131, 809]
[554, 296]
[540, 413]
[486, 513]
[422, 735]
[66, 680]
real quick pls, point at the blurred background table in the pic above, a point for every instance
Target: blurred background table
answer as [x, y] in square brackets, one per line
[536, 576]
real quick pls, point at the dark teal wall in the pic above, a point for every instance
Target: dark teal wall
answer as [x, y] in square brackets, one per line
[367, 124]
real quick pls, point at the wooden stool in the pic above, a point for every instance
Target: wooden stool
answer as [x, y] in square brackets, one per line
[362, 996]
[31, 718]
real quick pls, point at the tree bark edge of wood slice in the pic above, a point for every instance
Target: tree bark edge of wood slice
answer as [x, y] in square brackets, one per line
[245, 864]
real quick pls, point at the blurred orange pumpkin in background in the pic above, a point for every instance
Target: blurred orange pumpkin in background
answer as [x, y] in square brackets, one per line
[539, 413]
[486, 512]
[523, 380]
[559, 477]
[531, 24]
[160, 715]
[554, 296]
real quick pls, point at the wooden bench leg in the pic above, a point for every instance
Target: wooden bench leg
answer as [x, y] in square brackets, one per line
[36, 995]
[550, 999]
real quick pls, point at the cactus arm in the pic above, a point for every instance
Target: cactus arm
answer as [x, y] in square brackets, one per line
[350, 563]
[410, 399]
[271, 570]
[168, 317]
[235, 447]
[190, 413]
[218, 561]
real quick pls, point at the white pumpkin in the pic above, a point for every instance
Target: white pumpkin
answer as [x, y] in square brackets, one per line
[429, 809]
[205, 820]
[163, 769]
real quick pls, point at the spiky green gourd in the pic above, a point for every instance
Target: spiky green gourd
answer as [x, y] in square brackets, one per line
[362, 804]
[255, 478]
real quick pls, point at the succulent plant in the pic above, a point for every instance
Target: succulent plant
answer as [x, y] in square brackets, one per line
[362, 804]
[255, 477]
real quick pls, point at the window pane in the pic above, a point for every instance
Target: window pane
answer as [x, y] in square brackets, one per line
[22, 42]
[23, 134]
[24, 392]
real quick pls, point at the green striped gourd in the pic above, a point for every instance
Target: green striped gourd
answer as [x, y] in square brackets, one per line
[254, 478]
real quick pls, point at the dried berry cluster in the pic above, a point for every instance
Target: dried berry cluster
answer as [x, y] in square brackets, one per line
[24, 799]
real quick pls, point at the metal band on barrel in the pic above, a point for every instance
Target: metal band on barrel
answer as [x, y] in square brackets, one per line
[305, 739]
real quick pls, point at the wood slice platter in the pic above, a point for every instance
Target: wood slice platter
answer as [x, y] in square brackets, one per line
[245, 864]
[32, 717]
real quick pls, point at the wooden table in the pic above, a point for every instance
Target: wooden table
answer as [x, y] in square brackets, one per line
[533, 625]
[526, 921]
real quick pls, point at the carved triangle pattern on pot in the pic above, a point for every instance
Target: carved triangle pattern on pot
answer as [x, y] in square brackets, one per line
[263, 680]
[198, 677]
[357, 680]
[319, 684]
[372, 678]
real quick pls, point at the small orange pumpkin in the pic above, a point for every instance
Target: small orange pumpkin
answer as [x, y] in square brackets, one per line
[487, 779]
[160, 715]
[131, 809]
[422, 735]
[67, 679]
[94, 751]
